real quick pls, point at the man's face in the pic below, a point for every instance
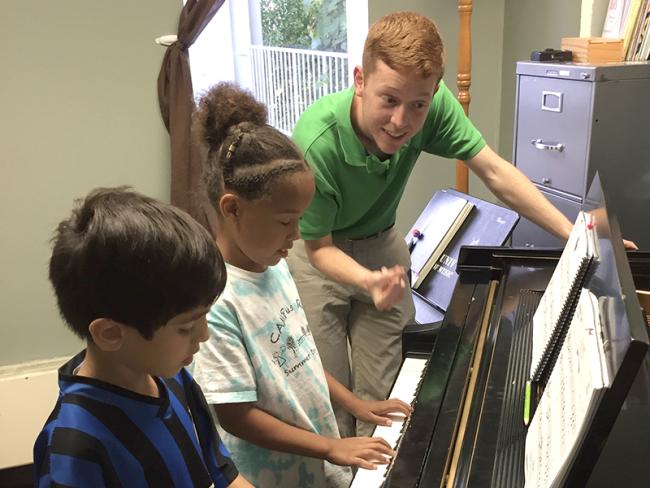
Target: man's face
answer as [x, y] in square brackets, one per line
[390, 106]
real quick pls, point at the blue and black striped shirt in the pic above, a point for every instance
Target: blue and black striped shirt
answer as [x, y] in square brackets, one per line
[102, 435]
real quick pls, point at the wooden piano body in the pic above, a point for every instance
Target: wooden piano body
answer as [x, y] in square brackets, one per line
[467, 427]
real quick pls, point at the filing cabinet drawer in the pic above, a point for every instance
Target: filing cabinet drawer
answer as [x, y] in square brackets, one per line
[528, 234]
[552, 134]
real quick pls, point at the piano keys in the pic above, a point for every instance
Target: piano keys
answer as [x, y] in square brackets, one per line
[405, 388]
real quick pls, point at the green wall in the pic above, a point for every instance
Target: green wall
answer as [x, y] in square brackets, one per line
[79, 110]
[530, 26]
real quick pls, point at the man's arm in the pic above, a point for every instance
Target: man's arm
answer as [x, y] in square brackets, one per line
[514, 189]
[385, 286]
[254, 425]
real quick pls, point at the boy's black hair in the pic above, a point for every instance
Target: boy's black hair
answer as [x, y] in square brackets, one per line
[135, 260]
[244, 153]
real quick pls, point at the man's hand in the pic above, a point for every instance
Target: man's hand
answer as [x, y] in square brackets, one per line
[630, 246]
[364, 452]
[379, 412]
[386, 286]
[240, 482]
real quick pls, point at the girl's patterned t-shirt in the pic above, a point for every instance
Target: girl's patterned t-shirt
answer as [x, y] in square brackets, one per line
[261, 350]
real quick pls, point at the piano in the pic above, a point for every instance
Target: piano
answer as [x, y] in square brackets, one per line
[467, 425]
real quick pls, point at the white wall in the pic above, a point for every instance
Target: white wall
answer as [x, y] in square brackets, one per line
[592, 17]
[79, 110]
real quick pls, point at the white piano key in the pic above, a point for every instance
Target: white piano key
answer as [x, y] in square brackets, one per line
[405, 388]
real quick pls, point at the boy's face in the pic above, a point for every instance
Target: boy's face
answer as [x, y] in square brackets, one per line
[171, 347]
[267, 227]
[390, 106]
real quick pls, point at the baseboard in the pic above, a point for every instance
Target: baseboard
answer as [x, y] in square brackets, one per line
[18, 477]
[29, 392]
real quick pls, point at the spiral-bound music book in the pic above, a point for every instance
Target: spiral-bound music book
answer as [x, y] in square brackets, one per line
[571, 397]
[553, 315]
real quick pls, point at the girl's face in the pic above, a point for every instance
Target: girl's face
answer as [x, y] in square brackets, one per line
[264, 229]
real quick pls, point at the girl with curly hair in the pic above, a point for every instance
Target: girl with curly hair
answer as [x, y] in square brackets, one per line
[260, 369]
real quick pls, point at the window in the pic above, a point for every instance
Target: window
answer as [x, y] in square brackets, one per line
[287, 52]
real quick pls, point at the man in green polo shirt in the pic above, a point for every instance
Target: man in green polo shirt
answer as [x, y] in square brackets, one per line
[362, 144]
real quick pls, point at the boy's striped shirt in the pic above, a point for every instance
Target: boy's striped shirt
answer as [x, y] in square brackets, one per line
[102, 435]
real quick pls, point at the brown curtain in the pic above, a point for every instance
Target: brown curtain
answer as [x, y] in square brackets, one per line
[176, 101]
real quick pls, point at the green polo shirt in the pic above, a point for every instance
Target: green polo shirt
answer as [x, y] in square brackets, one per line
[356, 193]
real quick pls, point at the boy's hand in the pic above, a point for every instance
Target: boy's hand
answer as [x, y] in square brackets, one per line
[378, 412]
[364, 452]
[386, 286]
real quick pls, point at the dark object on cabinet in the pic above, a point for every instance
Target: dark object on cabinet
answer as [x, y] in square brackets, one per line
[550, 54]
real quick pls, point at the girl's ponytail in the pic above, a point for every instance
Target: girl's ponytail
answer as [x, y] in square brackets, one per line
[244, 153]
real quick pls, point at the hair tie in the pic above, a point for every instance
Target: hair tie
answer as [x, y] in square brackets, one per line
[234, 144]
[231, 149]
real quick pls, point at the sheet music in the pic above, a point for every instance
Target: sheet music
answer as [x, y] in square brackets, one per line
[579, 250]
[569, 400]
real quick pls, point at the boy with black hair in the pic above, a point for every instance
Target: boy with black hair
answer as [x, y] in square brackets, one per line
[135, 278]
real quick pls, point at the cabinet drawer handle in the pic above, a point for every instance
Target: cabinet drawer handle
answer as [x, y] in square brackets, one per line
[541, 145]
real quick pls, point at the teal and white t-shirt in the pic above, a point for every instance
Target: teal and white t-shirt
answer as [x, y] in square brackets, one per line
[261, 350]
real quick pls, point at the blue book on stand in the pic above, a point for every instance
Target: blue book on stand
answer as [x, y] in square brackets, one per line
[487, 224]
[446, 216]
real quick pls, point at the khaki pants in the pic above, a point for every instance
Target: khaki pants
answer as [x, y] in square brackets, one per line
[346, 325]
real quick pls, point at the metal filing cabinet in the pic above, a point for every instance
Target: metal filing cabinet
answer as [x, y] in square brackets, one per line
[573, 120]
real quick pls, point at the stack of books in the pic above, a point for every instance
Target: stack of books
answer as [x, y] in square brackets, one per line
[629, 20]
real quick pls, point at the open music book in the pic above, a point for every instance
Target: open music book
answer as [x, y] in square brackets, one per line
[553, 315]
[428, 242]
[568, 404]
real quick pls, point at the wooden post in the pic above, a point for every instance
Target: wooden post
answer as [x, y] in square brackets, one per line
[464, 79]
